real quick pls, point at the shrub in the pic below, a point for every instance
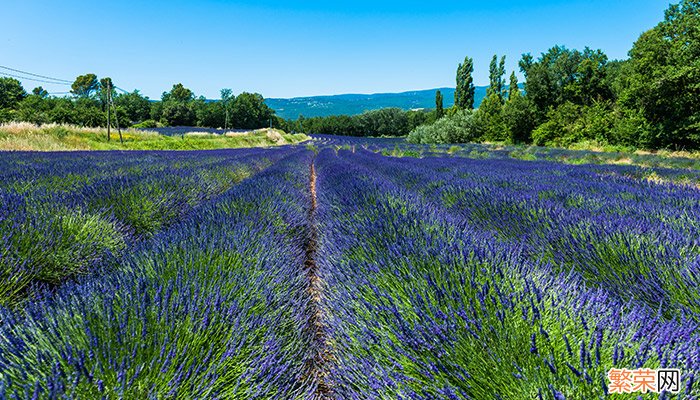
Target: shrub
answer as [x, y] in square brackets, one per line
[149, 123]
[519, 116]
[462, 127]
[570, 123]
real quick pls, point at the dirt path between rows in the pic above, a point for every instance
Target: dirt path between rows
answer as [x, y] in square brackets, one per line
[321, 355]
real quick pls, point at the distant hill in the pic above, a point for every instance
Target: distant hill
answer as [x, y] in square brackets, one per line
[352, 104]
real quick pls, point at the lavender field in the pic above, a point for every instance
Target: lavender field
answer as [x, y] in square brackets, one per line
[341, 271]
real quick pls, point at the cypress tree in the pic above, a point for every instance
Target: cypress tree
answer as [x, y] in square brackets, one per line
[439, 111]
[513, 89]
[496, 81]
[464, 92]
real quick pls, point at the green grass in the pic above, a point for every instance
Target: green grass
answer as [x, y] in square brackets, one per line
[29, 137]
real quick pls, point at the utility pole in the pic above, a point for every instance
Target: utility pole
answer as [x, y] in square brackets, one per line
[109, 109]
[116, 115]
[116, 119]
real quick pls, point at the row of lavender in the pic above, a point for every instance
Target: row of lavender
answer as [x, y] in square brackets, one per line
[501, 279]
[212, 307]
[636, 238]
[63, 214]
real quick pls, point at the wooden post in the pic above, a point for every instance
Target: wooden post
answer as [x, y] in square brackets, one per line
[109, 109]
[116, 119]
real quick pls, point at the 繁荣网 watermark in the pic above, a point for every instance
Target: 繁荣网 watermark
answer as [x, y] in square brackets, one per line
[644, 380]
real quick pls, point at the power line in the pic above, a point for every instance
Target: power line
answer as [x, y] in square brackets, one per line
[36, 75]
[44, 80]
[118, 88]
[32, 79]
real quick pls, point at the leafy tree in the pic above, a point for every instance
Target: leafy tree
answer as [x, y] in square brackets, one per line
[209, 113]
[11, 93]
[177, 107]
[491, 113]
[85, 85]
[513, 88]
[464, 92]
[35, 109]
[664, 81]
[176, 113]
[439, 110]
[226, 98]
[572, 123]
[519, 117]
[63, 113]
[178, 93]
[157, 111]
[137, 108]
[496, 72]
[106, 91]
[40, 91]
[249, 111]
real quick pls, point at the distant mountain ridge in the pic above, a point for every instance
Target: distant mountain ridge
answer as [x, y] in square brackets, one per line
[353, 104]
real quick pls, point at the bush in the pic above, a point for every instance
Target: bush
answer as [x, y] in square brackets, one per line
[149, 123]
[570, 123]
[519, 116]
[491, 113]
[631, 128]
[462, 127]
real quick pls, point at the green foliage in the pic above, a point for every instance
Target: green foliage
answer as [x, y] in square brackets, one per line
[562, 75]
[462, 127]
[136, 107]
[513, 88]
[519, 117]
[177, 113]
[496, 72]
[571, 96]
[383, 122]
[40, 91]
[491, 113]
[11, 92]
[178, 93]
[464, 92]
[249, 111]
[226, 99]
[570, 123]
[439, 110]
[664, 81]
[85, 85]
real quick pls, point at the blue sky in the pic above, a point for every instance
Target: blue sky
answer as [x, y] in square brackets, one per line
[294, 48]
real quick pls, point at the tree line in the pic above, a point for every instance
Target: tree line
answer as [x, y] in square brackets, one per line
[89, 102]
[382, 122]
[650, 100]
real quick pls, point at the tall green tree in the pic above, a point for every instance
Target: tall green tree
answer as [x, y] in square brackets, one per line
[106, 91]
[137, 108]
[249, 111]
[562, 76]
[11, 93]
[178, 106]
[518, 114]
[664, 81]
[439, 107]
[179, 93]
[496, 81]
[40, 91]
[85, 85]
[226, 99]
[464, 92]
[513, 88]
